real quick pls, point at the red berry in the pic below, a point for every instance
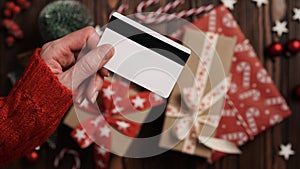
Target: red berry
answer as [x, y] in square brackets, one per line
[19, 34]
[7, 22]
[26, 5]
[7, 13]
[10, 40]
[16, 10]
[10, 5]
[32, 157]
[275, 49]
[293, 46]
[14, 27]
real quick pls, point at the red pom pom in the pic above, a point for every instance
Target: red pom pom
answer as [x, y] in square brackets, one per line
[16, 10]
[32, 157]
[7, 23]
[293, 46]
[10, 5]
[7, 13]
[10, 40]
[275, 49]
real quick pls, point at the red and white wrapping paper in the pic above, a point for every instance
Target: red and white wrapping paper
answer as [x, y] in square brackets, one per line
[116, 101]
[253, 102]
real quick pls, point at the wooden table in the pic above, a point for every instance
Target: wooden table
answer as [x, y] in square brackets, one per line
[256, 23]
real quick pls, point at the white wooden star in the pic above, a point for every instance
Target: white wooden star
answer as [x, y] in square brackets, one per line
[101, 150]
[296, 14]
[122, 125]
[104, 131]
[108, 92]
[259, 3]
[80, 134]
[280, 28]
[138, 102]
[229, 3]
[286, 151]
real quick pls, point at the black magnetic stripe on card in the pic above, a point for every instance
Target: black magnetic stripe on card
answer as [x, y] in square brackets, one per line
[148, 41]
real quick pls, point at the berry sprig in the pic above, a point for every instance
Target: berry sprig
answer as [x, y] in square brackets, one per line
[11, 10]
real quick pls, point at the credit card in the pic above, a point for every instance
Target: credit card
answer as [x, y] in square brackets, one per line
[144, 56]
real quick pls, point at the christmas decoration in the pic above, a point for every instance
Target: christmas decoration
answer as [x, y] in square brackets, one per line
[61, 155]
[259, 3]
[32, 157]
[158, 17]
[60, 18]
[10, 12]
[280, 28]
[275, 49]
[286, 151]
[117, 101]
[296, 15]
[229, 3]
[253, 103]
[293, 46]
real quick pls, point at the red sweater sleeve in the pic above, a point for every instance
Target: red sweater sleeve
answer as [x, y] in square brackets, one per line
[32, 110]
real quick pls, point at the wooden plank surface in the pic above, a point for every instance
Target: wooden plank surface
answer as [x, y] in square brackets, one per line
[256, 23]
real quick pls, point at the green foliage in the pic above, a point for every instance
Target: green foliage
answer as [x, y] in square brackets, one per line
[63, 17]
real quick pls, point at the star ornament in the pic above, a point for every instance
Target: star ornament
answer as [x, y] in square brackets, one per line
[280, 28]
[229, 3]
[259, 3]
[286, 151]
[296, 14]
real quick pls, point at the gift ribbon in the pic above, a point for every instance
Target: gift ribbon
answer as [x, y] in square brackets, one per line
[186, 128]
[116, 102]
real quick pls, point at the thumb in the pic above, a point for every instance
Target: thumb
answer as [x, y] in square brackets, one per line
[90, 64]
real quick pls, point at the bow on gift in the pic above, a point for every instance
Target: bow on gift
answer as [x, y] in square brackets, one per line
[187, 127]
[116, 100]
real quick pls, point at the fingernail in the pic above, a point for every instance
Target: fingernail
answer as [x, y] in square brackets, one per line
[94, 97]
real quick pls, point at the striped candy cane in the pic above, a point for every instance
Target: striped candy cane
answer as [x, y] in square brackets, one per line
[155, 18]
[251, 113]
[245, 68]
[253, 93]
[61, 155]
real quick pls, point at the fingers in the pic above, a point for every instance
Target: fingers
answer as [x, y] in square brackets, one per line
[77, 40]
[94, 87]
[90, 64]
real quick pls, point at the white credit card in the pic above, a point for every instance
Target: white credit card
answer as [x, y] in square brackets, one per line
[144, 56]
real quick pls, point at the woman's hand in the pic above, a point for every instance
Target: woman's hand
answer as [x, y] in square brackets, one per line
[75, 58]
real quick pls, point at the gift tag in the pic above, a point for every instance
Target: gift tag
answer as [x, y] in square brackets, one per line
[144, 56]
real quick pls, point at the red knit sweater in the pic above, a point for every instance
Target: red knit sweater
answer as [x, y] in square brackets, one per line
[32, 110]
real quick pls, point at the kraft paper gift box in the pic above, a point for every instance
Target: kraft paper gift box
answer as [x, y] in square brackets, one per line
[113, 124]
[195, 105]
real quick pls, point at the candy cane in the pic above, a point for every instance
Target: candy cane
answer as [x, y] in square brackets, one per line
[253, 93]
[273, 101]
[155, 18]
[246, 69]
[262, 76]
[242, 47]
[161, 10]
[251, 113]
[61, 155]
[240, 137]
[122, 8]
[275, 119]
